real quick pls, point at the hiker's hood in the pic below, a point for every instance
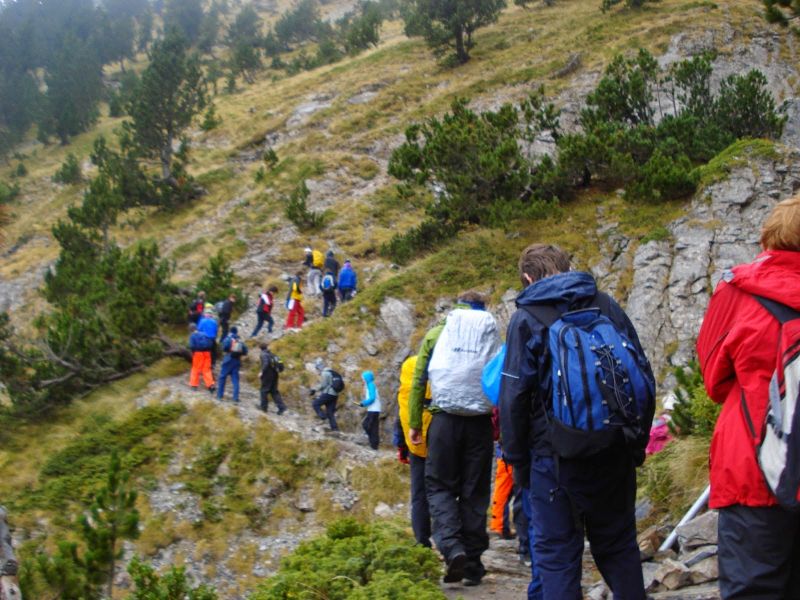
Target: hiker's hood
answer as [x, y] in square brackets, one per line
[563, 288]
[774, 274]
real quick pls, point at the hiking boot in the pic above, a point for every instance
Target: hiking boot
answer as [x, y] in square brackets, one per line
[281, 411]
[455, 568]
[212, 389]
[525, 559]
[473, 573]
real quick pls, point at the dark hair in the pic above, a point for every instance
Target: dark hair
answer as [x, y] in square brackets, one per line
[272, 289]
[472, 297]
[538, 261]
[263, 345]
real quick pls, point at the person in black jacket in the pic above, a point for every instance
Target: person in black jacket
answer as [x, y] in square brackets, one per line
[196, 307]
[271, 368]
[331, 265]
[225, 315]
[567, 496]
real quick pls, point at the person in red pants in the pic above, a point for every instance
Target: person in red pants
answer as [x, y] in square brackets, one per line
[294, 320]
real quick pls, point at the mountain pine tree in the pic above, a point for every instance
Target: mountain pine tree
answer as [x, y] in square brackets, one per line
[74, 88]
[449, 24]
[170, 94]
[85, 570]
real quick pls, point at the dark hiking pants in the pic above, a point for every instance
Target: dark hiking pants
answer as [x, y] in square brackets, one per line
[371, 425]
[262, 316]
[458, 474]
[420, 515]
[535, 585]
[329, 402]
[519, 516]
[759, 552]
[271, 389]
[594, 496]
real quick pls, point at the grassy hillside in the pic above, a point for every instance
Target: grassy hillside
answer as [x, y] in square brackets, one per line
[342, 148]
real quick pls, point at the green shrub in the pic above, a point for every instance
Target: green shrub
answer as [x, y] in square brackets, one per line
[211, 120]
[73, 473]
[745, 107]
[217, 281]
[608, 4]
[367, 562]
[664, 176]
[429, 234]
[69, 172]
[8, 193]
[695, 413]
[297, 211]
[21, 170]
[171, 585]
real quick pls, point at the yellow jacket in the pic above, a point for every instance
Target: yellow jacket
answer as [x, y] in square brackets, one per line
[317, 259]
[296, 294]
[406, 379]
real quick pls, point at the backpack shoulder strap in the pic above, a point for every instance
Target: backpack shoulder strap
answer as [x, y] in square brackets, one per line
[547, 314]
[781, 312]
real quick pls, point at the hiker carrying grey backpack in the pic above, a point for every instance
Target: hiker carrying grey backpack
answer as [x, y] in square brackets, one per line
[460, 437]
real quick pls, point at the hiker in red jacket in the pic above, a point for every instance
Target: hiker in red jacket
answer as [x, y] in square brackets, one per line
[264, 310]
[759, 541]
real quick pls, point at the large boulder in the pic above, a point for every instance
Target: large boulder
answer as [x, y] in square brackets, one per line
[701, 531]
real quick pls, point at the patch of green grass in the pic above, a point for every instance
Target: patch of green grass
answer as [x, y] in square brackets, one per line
[658, 233]
[385, 481]
[189, 248]
[215, 176]
[739, 154]
[673, 478]
[71, 474]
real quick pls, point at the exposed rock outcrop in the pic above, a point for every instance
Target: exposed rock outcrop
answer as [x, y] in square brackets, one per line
[673, 278]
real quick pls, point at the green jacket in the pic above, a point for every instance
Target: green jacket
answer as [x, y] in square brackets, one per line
[417, 396]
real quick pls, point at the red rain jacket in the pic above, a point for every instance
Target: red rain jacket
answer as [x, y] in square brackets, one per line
[737, 348]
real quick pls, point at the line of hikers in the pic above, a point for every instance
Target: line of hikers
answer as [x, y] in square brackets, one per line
[573, 394]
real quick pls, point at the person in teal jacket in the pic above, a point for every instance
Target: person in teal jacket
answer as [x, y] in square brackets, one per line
[372, 402]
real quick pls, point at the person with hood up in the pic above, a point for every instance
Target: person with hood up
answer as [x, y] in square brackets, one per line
[328, 289]
[348, 282]
[271, 368]
[209, 326]
[225, 315]
[328, 396]
[200, 345]
[331, 264]
[759, 540]
[372, 402]
[234, 349]
[569, 497]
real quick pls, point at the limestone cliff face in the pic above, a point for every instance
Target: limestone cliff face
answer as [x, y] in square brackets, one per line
[674, 278]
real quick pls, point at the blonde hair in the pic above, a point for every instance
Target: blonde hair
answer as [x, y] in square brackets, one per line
[781, 230]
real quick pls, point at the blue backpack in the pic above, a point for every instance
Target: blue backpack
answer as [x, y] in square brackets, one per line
[492, 374]
[328, 283]
[601, 388]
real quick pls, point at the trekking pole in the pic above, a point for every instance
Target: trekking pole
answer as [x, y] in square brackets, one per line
[698, 504]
